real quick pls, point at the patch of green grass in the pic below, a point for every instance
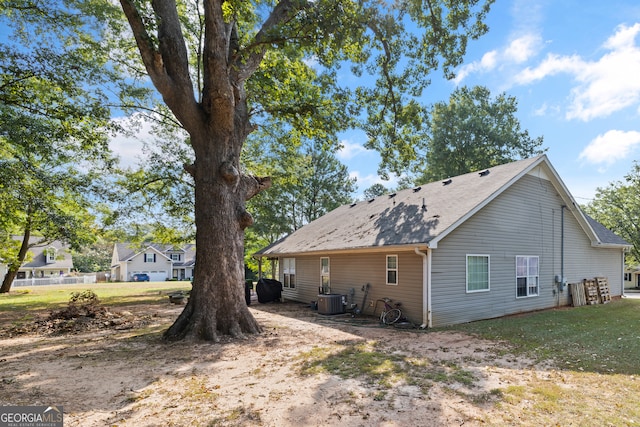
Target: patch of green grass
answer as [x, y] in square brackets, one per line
[237, 417]
[597, 338]
[591, 399]
[55, 297]
[374, 364]
[356, 360]
[196, 389]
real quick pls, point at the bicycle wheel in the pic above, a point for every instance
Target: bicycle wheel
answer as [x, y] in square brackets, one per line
[391, 316]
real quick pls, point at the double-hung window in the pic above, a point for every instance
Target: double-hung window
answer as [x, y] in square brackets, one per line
[527, 276]
[325, 276]
[149, 257]
[392, 269]
[477, 273]
[289, 272]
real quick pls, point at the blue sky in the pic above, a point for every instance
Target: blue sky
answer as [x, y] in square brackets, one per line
[574, 67]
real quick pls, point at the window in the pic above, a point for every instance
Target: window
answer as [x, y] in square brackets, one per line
[289, 272]
[392, 269]
[149, 257]
[175, 257]
[325, 280]
[526, 276]
[477, 273]
[50, 254]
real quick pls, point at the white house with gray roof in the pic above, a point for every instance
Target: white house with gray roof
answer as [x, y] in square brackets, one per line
[45, 259]
[160, 262]
[485, 244]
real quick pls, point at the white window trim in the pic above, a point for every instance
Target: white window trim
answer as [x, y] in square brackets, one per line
[326, 274]
[466, 266]
[387, 270]
[288, 269]
[527, 276]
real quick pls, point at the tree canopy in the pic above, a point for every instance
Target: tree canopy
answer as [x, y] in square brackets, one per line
[617, 207]
[55, 116]
[225, 67]
[473, 131]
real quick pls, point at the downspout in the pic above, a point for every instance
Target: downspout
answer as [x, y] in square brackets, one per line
[623, 265]
[426, 287]
[562, 280]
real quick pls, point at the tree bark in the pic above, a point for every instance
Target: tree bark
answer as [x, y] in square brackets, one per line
[218, 127]
[8, 280]
[14, 266]
[217, 305]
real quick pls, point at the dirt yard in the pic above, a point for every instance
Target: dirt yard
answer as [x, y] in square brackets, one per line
[305, 369]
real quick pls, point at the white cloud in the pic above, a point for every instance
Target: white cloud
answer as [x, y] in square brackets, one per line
[552, 64]
[542, 110]
[366, 181]
[614, 145]
[604, 86]
[522, 48]
[349, 150]
[517, 51]
[129, 147]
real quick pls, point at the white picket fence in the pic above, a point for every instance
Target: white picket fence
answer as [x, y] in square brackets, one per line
[58, 280]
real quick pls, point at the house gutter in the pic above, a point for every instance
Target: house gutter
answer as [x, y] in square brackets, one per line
[426, 287]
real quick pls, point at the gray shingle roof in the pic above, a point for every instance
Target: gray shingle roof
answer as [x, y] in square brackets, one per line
[401, 219]
[606, 236]
[127, 251]
[63, 258]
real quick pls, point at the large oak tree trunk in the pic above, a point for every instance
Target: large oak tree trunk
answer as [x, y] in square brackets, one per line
[217, 305]
[218, 126]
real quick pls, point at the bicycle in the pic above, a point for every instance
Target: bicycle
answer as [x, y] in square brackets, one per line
[390, 314]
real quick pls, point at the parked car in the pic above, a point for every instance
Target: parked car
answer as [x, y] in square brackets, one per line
[140, 277]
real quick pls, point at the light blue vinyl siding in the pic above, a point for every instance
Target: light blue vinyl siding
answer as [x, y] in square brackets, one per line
[525, 219]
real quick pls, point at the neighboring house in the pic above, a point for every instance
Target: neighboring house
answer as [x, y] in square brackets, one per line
[160, 262]
[481, 245]
[632, 277]
[44, 260]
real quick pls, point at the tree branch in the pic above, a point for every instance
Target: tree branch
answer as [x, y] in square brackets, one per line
[253, 185]
[150, 56]
[244, 67]
[168, 65]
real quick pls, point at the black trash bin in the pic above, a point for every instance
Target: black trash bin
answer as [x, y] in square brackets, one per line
[268, 290]
[248, 285]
